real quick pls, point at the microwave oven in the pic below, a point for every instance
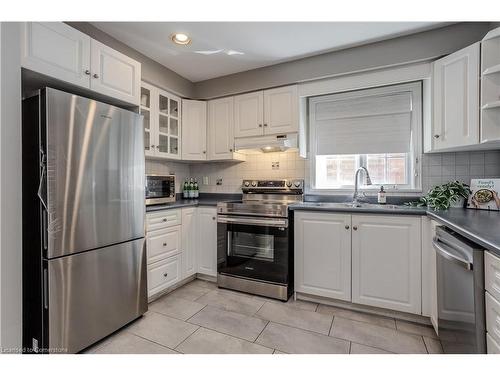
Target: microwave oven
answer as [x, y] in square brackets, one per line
[160, 189]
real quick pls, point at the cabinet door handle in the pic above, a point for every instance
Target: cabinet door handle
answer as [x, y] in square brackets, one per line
[204, 152]
[165, 274]
[165, 220]
[436, 136]
[164, 244]
[230, 150]
[87, 72]
[260, 125]
[213, 217]
[265, 125]
[355, 227]
[96, 75]
[347, 227]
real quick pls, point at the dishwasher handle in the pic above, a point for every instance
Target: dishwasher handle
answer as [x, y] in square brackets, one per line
[445, 253]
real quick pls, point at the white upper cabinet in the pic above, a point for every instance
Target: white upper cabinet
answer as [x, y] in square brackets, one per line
[162, 116]
[114, 74]
[267, 112]
[456, 99]
[221, 130]
[64, 53]
[386, 262]
[281, 112]
[248, 114]
[56, 50]
[323, 254]
[194, 130]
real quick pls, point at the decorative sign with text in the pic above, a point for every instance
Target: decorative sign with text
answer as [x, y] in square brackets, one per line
[484, 194]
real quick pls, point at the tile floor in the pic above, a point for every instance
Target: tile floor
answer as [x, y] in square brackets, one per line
[199, 318]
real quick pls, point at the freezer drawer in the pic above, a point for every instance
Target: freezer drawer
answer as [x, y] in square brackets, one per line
[92, 294]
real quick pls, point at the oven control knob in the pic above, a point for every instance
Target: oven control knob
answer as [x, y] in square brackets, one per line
[289, 183]
[246, 183]
[297, 184]
[254, 183]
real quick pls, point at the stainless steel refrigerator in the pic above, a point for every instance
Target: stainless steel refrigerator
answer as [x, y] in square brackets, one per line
[84, 257]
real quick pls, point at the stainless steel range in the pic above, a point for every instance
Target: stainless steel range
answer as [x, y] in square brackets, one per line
[255, 238]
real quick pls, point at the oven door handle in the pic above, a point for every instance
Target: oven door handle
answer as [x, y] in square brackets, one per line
[280, 223]
[441, 250]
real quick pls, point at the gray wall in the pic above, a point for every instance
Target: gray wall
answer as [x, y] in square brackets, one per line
[152, 72]
[10, 187]
[417, 47]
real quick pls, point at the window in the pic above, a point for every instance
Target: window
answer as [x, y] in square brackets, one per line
[378, 129]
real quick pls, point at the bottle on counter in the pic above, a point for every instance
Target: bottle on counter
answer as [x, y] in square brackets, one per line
[196, 189]
[191, 188]
[381, 197]
[185, 189]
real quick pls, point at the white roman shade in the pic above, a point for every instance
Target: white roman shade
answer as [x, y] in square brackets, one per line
[373, 121]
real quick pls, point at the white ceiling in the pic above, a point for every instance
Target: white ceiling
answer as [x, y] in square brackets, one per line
[263, 43]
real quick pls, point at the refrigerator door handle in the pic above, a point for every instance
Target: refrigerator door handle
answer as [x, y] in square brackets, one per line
[45, 289]
[42, 187]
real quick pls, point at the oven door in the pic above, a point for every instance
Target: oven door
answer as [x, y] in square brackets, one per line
[253, 247]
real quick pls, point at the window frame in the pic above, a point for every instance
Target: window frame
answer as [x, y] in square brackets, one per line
[413, 165]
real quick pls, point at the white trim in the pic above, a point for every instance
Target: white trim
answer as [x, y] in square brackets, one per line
[416, 143]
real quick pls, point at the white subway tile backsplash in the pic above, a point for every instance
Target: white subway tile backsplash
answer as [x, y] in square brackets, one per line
[436, 169]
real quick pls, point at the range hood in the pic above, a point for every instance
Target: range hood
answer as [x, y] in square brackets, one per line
[266, 143]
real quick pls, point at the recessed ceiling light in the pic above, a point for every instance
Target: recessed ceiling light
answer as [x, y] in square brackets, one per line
[180, 38]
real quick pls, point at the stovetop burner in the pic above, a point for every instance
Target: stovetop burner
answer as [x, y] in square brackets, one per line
[267, 198]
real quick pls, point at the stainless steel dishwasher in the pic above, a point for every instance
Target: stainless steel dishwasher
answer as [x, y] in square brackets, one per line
[460, 293]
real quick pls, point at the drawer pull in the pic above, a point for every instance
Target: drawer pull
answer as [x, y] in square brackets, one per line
[165, 274]
[164, 244]
[165, 220]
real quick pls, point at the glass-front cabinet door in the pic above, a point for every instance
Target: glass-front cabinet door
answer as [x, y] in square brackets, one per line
[161, 112]
[149, 146]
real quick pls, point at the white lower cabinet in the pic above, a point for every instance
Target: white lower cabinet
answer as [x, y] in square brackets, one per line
[492, 294]
[179, 244]
[189, 241]
[323, 254]
[373, 260]
[163, 274]
[386, 262]
[207, 248]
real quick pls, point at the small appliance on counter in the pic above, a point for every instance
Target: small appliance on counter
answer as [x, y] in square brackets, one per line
[255, 239]
[160, 189]
[485, 194]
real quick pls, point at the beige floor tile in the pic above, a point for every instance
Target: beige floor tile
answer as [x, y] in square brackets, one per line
[127, 343]
[205, 341]
[231, 301]
[189, 292]
[309, 320]
[162, 329]
[176, 307]
[433, 345]
[363, 349]
[377, 336]
[297, 341]
[296, 304]
[417, 329]
[229, 322]
[204, 284]
[358, 316]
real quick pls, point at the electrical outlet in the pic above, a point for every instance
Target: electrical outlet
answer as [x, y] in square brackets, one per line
[275, 165]
[205, 180]
[219, 181]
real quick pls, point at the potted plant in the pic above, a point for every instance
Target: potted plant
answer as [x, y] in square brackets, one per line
[442, 197]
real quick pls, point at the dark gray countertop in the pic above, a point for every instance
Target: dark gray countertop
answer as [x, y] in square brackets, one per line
[370, 208]
[204, 200]
[480, 226]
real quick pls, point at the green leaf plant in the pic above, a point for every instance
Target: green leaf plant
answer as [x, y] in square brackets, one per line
[441, 197]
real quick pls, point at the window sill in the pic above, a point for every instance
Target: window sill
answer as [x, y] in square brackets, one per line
[367, 191]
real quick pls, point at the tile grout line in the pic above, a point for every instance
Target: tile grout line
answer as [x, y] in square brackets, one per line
[350, 346]
[261, 331]
[425, 345]
[331, 326]
[186, 338]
